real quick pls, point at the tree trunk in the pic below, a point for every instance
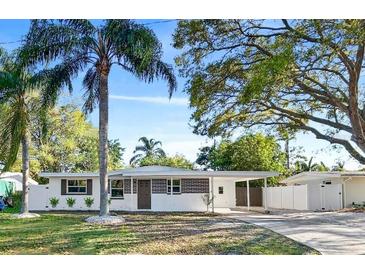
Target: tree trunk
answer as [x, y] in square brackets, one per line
[287, 153]
[103, 144]
[25, 171]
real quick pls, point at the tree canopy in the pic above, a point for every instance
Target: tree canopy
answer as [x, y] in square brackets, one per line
[177, 160]
[250, 152]
[66, 141]
[264, 74]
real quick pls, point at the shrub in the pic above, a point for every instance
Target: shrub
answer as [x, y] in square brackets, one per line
[70, 202]
[17, 203]
[54, 202]
[89, 201]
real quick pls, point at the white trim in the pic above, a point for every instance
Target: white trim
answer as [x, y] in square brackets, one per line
[171, 185]
[76, 180]
[248, 194]
[171, 172]
[111, 189]
[265, 187]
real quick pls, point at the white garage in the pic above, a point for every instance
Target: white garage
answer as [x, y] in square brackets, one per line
[319, 191]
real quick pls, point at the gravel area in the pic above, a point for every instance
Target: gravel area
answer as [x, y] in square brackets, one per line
[26, 215]
[105, 220]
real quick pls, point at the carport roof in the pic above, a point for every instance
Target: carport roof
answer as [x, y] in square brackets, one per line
[154, 171]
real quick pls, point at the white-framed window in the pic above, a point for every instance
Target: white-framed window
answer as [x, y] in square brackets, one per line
[76, 186]
[174, 187]
[117, 189]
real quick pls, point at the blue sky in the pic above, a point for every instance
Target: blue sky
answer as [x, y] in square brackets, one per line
[139, 109]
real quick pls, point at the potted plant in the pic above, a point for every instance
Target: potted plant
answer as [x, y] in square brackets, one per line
[54, 202]
[70, 202]
[89, 202]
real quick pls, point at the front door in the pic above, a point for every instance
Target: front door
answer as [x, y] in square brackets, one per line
[144, 194]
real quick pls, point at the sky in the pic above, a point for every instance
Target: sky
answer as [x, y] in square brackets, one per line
[138, 109]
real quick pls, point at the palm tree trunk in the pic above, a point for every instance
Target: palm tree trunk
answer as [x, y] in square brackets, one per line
[103, 144]
[25, 171]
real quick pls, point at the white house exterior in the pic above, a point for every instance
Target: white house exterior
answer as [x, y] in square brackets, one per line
[319, 191]
[154, 188]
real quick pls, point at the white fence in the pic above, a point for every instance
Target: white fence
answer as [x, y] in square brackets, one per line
[287, 197]
[38, 197]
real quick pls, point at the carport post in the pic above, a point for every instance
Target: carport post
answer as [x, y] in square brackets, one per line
[212, 191]
[265, 187]
[248, 195]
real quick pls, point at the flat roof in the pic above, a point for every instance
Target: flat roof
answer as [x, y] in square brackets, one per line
[323, 174]
[155, 171]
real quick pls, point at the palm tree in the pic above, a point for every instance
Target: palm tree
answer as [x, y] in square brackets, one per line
[339, 166]
[306, 166]
[149, 148]
[78, 45]
[17, 102]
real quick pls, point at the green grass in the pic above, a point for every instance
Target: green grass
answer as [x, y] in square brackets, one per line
[175, 233]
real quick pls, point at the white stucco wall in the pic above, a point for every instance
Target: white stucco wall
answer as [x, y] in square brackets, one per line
[39, 198]
[228, 198]
[354, 190]
[179, 202]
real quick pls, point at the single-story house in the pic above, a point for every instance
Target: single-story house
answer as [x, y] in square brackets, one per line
[319, 191]
[14, 179]
[151, 188]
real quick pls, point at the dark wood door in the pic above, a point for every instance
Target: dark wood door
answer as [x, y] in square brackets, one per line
[144, 194]
[255, 196]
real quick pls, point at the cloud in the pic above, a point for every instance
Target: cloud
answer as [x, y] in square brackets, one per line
[180, 101]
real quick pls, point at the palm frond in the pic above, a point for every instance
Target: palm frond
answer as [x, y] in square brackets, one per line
[138, 50]
[140, 148]
[160, 152]
[135, 159]
[48, 40]
[91, 85]
[13, 128]
[51, 81]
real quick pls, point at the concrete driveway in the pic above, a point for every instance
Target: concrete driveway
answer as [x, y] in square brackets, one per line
[328, 232]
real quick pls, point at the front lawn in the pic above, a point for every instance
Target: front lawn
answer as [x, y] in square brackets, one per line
[174, 233]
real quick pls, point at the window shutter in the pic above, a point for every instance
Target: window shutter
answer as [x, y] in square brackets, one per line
[63, 186]
[89, 187]
[109, 183]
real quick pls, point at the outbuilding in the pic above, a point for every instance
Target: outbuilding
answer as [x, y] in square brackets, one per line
[319, 191]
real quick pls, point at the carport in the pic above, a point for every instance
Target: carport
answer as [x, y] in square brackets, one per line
[239, 176]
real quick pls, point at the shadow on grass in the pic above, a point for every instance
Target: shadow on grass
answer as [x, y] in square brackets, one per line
[172, 233]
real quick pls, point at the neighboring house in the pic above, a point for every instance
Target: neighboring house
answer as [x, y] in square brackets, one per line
[15, 178]
[154, 188]
[319, 191]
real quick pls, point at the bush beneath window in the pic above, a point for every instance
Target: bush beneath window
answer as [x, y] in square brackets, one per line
[89, 201]
[70, 202]
[54, 202]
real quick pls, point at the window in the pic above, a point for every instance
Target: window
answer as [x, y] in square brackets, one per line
[76, 186]
[327, 182]
[176, 186]
[220, 190]
[117, 188]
